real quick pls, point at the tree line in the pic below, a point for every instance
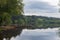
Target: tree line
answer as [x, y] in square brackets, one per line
[37, 21]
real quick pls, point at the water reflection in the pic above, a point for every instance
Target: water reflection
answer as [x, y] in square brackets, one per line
[8, 34]
[58, 32]
[27, 34]
[40, 34]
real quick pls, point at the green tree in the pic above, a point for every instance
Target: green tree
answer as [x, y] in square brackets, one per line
[8, 8]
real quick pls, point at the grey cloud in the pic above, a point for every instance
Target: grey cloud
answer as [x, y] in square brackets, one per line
[46, 7]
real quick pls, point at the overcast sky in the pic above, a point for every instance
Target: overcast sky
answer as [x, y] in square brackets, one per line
[41, 7]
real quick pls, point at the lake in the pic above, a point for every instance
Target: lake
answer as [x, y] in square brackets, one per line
[36, 34]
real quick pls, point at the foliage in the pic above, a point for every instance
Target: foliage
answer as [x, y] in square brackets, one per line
[19, 20]
[8, 8]
[42, 22]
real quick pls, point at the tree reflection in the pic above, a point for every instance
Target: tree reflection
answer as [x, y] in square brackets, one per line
[8, 34]
[59, 32]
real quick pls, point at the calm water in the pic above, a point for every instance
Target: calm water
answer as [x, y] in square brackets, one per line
[37, 34]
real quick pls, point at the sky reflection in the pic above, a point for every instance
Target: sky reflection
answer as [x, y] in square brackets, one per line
[38, 34]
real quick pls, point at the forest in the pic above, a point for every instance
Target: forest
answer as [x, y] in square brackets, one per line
[36, 21]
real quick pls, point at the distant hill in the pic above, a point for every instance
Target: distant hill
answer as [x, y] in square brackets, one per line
[42, 21]
[37, 21]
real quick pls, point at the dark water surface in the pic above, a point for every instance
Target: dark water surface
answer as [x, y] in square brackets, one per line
[26, 34]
